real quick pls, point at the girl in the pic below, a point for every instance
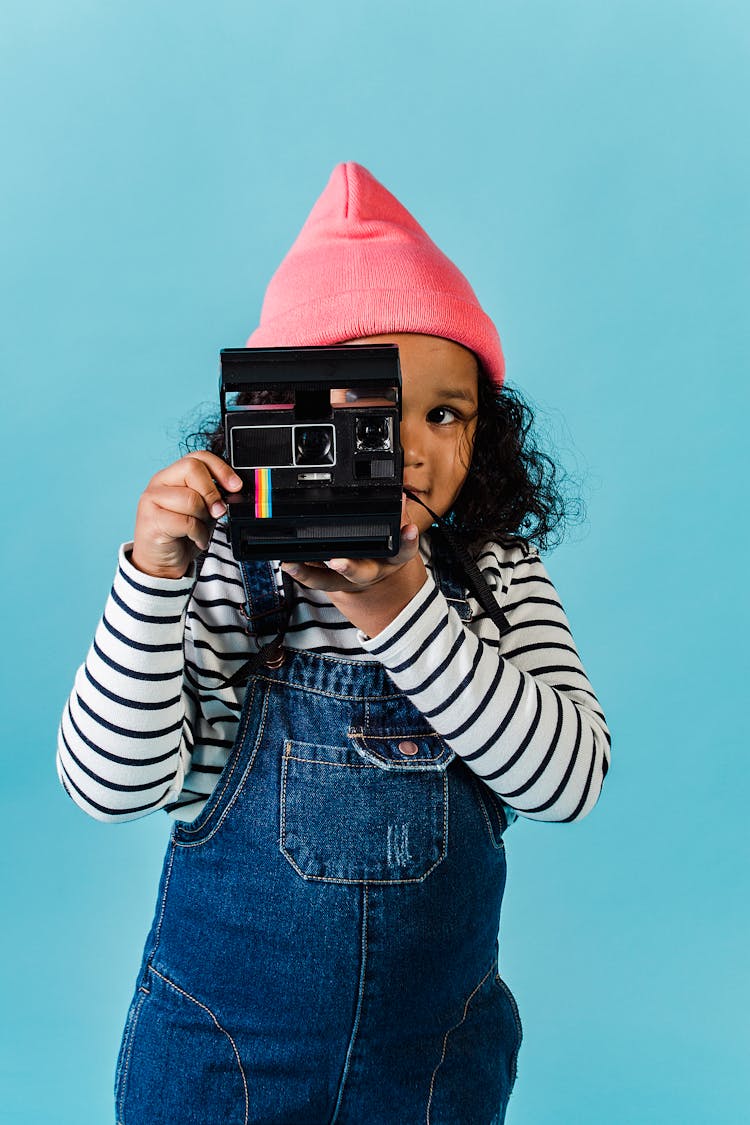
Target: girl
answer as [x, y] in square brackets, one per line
[342, 746]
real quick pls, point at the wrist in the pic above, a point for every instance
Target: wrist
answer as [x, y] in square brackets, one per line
[174, 573]
[373, 608]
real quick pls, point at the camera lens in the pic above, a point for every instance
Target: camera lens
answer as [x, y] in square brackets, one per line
[373, 433]
[313, 445]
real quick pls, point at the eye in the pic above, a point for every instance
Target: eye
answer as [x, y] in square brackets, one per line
[442, 416]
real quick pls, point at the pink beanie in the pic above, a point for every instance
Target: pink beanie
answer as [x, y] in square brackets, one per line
[363, 266]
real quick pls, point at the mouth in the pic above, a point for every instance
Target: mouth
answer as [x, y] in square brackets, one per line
[421, 499]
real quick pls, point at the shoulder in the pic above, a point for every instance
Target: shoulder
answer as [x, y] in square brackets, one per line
[522, 585]
[503, 564]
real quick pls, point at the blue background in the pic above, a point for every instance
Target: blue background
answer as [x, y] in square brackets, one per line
[586, 164]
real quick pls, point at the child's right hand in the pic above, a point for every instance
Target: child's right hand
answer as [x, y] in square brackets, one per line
[177, 512]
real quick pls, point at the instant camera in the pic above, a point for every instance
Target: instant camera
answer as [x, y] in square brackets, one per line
[314, 434]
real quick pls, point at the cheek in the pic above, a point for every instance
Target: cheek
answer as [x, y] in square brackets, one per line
[462, 460]
[464, 450]
[458, 481]
[454, 472]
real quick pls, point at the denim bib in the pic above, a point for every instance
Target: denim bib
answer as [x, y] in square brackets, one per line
[324, 946]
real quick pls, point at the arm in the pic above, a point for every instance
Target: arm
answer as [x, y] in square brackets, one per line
[125, 738]
[522, 716]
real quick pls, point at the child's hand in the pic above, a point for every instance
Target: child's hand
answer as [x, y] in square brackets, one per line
[369, 592]
[352, 575]
[177, 512]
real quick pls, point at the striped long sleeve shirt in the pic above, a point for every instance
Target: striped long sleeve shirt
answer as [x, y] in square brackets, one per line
[150, 723]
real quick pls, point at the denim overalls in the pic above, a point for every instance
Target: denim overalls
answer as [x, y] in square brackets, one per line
[324, 947]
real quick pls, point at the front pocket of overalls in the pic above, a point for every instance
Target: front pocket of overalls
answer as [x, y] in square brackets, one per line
[366, 812]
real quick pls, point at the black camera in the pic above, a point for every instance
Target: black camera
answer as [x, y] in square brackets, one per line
[314, 434]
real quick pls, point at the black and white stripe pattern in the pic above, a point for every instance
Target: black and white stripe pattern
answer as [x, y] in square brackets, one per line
[523, 716]
[148, 724]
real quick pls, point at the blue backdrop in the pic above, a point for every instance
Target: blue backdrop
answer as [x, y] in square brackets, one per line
[586, 164]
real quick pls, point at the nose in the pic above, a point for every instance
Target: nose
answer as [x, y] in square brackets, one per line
[411, 444]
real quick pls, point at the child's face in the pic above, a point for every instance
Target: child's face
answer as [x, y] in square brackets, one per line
[439, 419]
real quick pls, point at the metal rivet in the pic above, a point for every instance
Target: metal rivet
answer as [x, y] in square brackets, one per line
[408, 747]
[273, 655]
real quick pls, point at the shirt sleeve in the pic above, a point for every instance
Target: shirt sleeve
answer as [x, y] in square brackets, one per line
[125, 738]
[521, 713]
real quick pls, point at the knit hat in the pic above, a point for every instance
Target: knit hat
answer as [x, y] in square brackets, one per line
[363, 266]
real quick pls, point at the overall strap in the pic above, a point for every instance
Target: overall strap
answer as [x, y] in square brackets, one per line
[266, 608]
[267, 611]
[449, 579]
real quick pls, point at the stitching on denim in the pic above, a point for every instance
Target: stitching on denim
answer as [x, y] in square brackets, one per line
[517, 1019]
[360, 996]
[366, 882]
[364, 732]
[498, 846]
[438, 756]
[238, 790]
[353, 882]
[219, 795]
[355, 732]
[247, 587]
[304, 687]
[122, 1077]
[319, 691]
[157, 935]
[338, 765]
[187, 995]
[282, 800]
[408, 765]
[449, 1032]
[249, 590]
[445, 814]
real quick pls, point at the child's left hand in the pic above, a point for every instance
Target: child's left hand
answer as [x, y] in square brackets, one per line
[369, 592]
[350, 575]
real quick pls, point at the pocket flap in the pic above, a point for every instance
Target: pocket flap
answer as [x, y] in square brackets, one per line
[403, 751]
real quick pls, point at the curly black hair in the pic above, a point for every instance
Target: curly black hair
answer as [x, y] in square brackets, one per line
[515, 493]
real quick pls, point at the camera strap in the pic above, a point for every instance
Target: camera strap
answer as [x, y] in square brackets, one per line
[474, 576]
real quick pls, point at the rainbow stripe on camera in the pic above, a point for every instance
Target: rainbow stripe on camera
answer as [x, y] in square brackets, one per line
[263, 505]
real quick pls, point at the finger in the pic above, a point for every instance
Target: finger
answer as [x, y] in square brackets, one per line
[315, 577]
[410, 534]
[168, 525]
[181, 499]
[360, 572]
[408, 546]
[200, 466]
[195, 471]
[366, 572]
[221, 472]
